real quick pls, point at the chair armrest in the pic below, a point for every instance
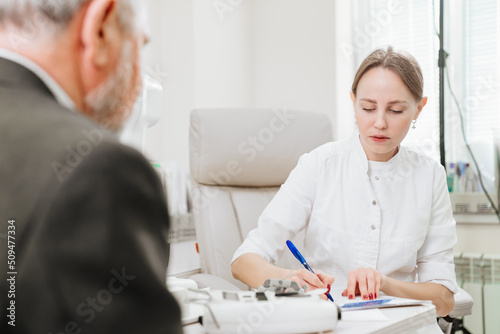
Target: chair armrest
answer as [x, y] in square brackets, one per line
[463, 304]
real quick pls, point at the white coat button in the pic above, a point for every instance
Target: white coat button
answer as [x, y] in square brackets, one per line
[376, 177]
[373, 227]
[374, 202]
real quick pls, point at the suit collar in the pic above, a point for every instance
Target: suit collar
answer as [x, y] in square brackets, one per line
[17, 69]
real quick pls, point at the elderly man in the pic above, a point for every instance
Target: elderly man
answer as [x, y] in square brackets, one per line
[83, 218]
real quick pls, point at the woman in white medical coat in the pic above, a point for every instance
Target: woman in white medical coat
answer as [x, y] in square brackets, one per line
[377, 215]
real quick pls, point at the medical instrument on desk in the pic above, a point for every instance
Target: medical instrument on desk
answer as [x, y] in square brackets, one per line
[282, 287]
[301, 259]
[184, 290]
[265, 312]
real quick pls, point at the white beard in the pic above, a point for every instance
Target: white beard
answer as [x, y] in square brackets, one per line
[110, 103]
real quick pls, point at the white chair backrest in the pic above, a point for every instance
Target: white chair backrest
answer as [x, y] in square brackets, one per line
[238, 160]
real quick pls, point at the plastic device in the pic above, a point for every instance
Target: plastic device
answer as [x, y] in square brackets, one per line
[266, 311]
[181, 289]
[147, 112]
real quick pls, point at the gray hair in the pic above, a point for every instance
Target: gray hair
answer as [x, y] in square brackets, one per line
[59, 13]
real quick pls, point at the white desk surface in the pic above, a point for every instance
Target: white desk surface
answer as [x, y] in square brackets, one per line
[409, 319]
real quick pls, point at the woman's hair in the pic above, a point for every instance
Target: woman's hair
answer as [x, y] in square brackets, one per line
[400, 62]
[57, 14]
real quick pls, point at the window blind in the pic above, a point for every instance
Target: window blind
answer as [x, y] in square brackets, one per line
[482, 62]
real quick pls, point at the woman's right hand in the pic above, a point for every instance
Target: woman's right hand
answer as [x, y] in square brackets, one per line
[320, 280]
[253, 270]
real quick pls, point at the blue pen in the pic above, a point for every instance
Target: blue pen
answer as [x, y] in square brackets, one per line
[299, 257]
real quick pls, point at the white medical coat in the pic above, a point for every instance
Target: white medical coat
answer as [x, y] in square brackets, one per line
[405, 228]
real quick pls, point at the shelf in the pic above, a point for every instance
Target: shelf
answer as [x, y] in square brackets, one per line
[476, 219]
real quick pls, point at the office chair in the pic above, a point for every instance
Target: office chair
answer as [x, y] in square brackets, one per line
[238, 160]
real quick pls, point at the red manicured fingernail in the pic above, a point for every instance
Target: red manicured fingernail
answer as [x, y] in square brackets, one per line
[327, 290]
[375, 295]
[351, 297]
[365, 297]
[371, 296]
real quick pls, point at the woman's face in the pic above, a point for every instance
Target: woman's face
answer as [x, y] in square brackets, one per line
[384, 108]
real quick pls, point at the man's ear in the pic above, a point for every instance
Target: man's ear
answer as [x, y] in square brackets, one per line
[97, 32]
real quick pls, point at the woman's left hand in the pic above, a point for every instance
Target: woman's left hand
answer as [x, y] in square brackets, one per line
[366, 282]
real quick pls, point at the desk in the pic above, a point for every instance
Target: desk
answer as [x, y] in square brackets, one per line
[410, 319]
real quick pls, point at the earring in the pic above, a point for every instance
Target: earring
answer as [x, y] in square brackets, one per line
[414, 122]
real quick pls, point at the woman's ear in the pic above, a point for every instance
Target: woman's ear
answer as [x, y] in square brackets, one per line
[420, 106]
[353, 98]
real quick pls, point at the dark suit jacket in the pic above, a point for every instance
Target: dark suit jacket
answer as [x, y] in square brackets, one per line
[90, 222]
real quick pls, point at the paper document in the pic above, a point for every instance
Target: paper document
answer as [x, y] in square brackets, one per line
[358, 303]
[382, 302]
[364, 315]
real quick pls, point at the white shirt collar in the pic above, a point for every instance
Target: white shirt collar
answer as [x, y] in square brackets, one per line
[61, 96]
[393, 163]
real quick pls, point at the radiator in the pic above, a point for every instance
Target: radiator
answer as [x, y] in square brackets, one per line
[479, 275]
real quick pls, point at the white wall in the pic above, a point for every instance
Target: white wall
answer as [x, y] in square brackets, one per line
[474, 238]
[170, 57]
[223, 55]
[345, 69]
[298, 63]
[295, 55]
